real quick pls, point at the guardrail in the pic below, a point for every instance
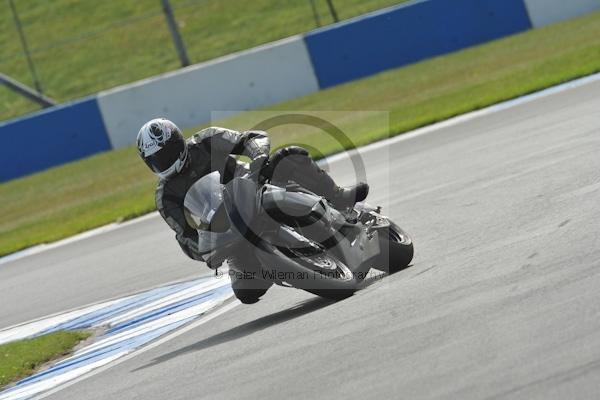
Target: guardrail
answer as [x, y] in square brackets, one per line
[51, 137]
[406, 34]
[250, 79]
[269, 74]
[544, 12]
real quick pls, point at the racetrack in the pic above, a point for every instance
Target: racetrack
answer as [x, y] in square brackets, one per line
[502, 300]
[136, 257]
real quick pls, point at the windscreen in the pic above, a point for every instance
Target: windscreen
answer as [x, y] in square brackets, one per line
[203, 200]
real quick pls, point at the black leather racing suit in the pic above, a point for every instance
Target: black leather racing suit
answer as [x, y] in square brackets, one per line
[211, 149]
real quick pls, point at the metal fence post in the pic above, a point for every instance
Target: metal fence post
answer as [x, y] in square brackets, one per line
[333, 11]
[26, 92]
[177, 40]
[315, 12]
[36, 82]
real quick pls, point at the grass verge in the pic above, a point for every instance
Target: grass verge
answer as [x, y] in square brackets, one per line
[23, 357]
[117, 185]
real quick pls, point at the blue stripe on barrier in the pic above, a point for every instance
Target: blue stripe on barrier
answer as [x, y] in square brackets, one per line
[409, 33]
[51, 137]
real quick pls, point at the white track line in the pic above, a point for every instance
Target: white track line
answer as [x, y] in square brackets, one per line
[340, 156]
[460, 119]
[82, 236]
[170, 299]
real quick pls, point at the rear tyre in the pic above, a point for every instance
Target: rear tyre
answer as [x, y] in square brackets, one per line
[396, 249]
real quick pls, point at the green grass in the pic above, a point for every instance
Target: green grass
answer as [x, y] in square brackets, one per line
[116, 185]
[23, 357]
[81, 47]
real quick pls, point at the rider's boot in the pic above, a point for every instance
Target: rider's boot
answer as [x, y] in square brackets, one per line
[346, 197]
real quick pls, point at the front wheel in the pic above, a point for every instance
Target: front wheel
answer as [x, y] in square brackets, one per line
[396, 249]
[331, 278]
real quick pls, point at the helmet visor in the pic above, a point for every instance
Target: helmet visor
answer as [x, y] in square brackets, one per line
[163, 159]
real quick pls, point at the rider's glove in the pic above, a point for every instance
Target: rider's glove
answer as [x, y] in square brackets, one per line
[256, 166]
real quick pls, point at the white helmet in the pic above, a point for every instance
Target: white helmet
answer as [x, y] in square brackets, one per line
[162, 147]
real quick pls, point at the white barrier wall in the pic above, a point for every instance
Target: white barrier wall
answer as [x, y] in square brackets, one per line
[544, 12]
[247, 80]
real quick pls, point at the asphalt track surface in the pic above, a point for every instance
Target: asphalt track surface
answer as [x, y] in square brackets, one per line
[502, 301]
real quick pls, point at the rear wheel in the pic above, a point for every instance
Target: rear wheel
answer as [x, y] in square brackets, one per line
[396, 249]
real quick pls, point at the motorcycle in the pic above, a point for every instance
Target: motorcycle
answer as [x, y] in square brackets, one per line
[287, 235]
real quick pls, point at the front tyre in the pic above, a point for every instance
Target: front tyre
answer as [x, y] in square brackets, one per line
[333, 279]
[396, 249]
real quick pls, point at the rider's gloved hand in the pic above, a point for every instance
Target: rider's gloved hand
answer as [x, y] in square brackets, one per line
[256, 166]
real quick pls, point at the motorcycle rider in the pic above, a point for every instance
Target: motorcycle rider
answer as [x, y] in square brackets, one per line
[179, 163]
